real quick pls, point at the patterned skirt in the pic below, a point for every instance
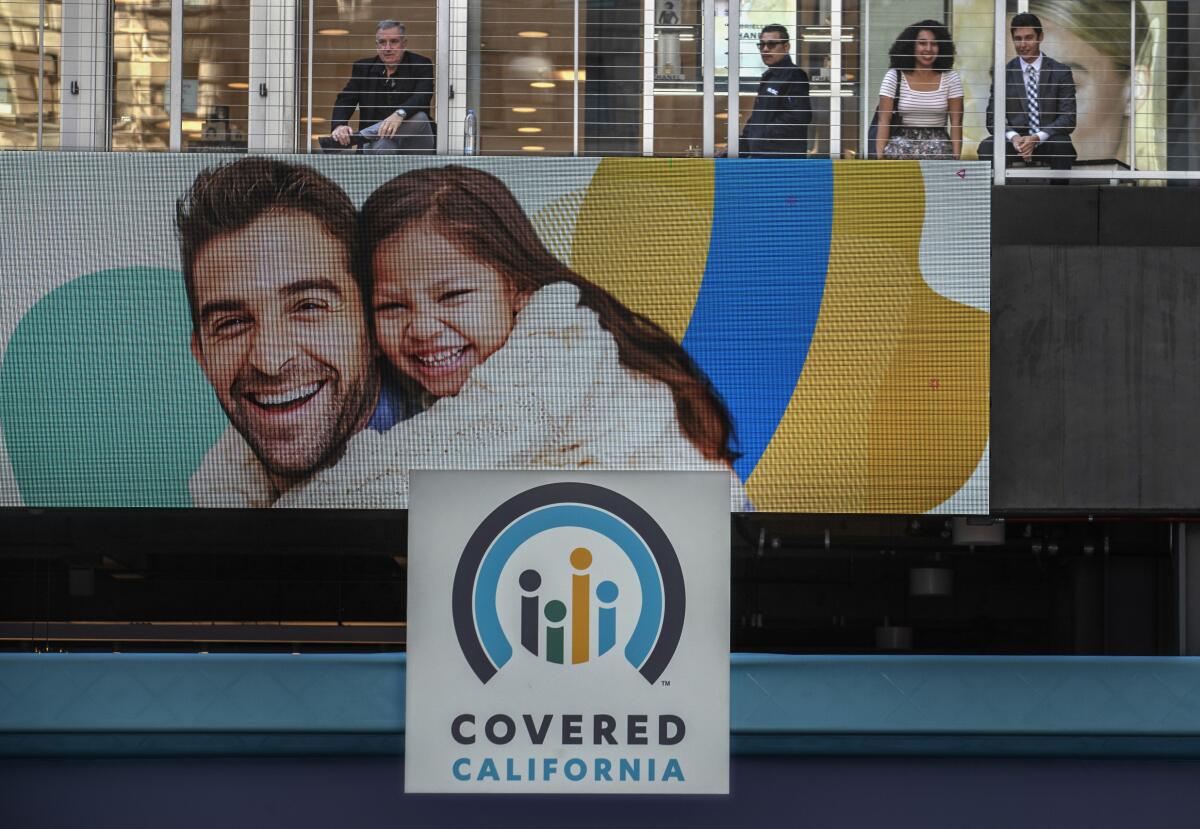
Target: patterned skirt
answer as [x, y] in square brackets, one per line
[919, 142]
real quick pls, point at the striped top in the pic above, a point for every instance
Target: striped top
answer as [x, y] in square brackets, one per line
[923, 109]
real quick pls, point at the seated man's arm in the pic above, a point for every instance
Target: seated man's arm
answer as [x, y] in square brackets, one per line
[344, 106]
[422, 94]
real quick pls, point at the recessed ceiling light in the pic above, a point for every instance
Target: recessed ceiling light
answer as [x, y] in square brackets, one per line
[533, 148]
[542, 84]
[316, 119]
[722, 116]
[524, 110]
[192, 126]
[569, 74]
[333, 32]
[238, 85]
[533, 34]
[529, 129]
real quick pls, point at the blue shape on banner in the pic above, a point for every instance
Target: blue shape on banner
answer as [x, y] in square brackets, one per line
[761, 295]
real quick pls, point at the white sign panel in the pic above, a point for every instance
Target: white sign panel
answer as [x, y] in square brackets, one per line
[568, 633]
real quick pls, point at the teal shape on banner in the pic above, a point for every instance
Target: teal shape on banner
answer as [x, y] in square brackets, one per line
[101, 401]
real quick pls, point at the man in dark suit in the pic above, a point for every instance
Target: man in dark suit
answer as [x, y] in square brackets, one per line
[778, 126]
[392, 92]
[1040, 106]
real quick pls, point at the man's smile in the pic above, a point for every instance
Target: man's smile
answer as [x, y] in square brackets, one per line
[284, 401]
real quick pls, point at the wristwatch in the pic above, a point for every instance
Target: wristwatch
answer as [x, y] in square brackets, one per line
[402, 114]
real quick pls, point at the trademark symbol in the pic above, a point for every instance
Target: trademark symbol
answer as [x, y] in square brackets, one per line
[666, 682]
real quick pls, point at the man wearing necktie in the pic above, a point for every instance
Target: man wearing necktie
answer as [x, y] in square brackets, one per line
[1040, 107]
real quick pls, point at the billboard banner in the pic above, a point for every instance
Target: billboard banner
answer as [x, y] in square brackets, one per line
[301, 331]
[568, 633]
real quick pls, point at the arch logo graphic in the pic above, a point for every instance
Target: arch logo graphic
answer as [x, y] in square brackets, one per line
[571, 611]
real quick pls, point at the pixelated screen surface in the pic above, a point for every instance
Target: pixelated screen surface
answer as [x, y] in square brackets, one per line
[301, 331]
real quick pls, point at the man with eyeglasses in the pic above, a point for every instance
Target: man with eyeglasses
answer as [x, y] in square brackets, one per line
[392, 92]
[778, 125]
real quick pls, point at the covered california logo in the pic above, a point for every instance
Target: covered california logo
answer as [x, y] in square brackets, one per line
[575, 570]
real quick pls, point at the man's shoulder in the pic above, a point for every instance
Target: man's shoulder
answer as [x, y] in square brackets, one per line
[795, 74]
[414, 58]
[1050, 64]
[363, 66]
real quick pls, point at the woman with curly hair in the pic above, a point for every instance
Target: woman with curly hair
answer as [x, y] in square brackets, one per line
[919, 93]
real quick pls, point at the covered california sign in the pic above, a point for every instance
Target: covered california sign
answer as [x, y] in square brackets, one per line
[568, 633]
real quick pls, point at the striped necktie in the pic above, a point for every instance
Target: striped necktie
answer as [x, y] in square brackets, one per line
[1031, 93]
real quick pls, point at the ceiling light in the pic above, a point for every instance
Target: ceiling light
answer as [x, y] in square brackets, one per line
[569, 74]
[333, 32]
[192, 126]
[722, 116]
[533, 148]
[524, 110]
[238, 85]
[315, 119]
[542, 84]
[529, 129]
[533, 34]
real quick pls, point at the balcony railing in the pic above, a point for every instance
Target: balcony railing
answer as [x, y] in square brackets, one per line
[585, 77]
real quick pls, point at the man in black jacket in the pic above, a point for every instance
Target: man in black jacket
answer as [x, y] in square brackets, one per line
[778, 126]
[1040, 102]
[392, 92]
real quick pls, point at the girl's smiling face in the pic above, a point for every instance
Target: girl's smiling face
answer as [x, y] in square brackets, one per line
[439, 312]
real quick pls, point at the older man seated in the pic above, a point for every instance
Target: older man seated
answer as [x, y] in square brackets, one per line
[392, 92]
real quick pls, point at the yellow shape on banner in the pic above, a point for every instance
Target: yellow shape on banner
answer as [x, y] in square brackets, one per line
[894, 371]
[643, 234]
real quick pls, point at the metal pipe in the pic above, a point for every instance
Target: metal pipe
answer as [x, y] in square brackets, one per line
[835, 79]
[575, 82]
[733, 91]
[175, 104]
[708, 17]
[999, 94]
[309, 89]
[41, 87]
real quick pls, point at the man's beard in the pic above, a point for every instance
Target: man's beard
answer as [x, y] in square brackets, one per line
[292, 458]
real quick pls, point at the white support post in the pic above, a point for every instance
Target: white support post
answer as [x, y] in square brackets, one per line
[308, 87]
[708, 17]
[450, 77]
[272, 105]
[835, 79]
[999, 92]
[1133, 71]
[575, 81]
[649, 64]
[864, 79]
[41, 84]
[733, 102]
[86, 75]
[175, 103]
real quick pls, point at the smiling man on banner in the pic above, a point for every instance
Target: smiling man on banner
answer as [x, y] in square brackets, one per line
[279, 327]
